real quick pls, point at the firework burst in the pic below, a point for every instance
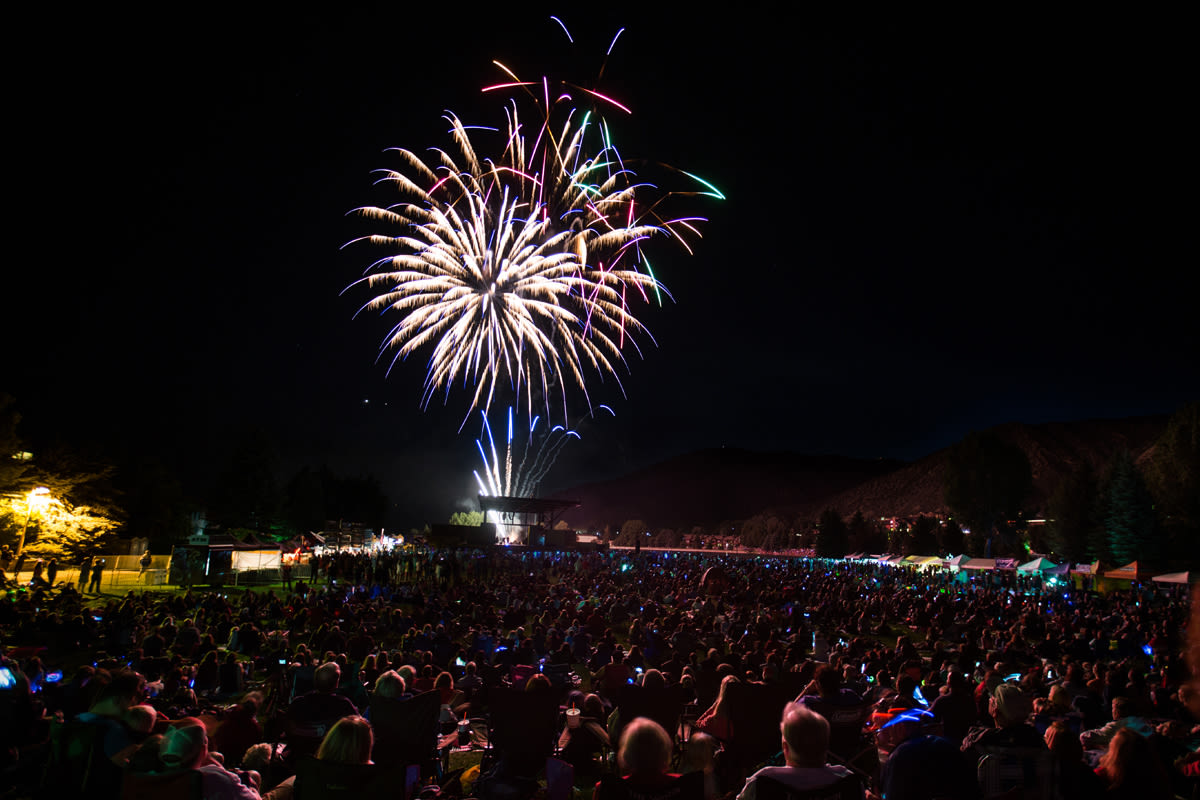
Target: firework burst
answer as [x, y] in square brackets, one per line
[521, 272]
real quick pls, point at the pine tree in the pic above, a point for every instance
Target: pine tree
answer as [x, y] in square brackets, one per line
[1173, 475]
[832, 536]
[1129, 521]
[1074, 523]
[986, 481]
[922, 537]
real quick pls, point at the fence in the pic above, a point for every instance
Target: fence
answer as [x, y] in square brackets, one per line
[123, 573]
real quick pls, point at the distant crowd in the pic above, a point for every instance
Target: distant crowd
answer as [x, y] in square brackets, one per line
[656, 674]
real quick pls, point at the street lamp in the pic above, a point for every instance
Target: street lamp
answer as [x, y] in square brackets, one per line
[40, 491]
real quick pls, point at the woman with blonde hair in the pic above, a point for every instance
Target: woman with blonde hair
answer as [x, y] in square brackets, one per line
[645, 753]
[344, 760]
[370, 672]
[717, 721]
[644, 756]
[349, 741]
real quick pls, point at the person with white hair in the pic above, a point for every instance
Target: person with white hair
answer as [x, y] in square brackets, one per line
[805, 736]
[1010, 707]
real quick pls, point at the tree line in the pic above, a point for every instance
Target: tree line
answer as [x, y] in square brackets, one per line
[1124, 510]
[66, 501]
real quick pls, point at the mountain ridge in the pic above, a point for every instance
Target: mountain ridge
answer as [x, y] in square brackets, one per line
[709, 486]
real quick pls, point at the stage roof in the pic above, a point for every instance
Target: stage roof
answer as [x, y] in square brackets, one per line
[525, 505]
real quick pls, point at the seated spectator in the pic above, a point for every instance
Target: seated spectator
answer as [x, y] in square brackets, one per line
[1009, 708]
[185, 746]
[349, 684]
[425, 682]
[1098, 738]
[208, 673]
[826, 687]
[984, 692]
[717, 720]
[107, 713]
[852, 678]
[907, 774]
[470, 682]
[955, 707]
[805, 739]
[644, 758]
[444, 684]
[141, 720]
[238, 730]
[612, 677]
[1131, 769]
[582, 742]
[701, 756]
[389, 686]
[313, 714]
[1076, 781]
[349, 741]
[231, 677]
[906, 695]
[369, 671]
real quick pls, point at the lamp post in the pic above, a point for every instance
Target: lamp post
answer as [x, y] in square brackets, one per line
[40, 491]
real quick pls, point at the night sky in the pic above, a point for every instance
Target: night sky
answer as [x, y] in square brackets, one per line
[929, 229]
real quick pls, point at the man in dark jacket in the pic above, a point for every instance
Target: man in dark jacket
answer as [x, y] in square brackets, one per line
[311, 715]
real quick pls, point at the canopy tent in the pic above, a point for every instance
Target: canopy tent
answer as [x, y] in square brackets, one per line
[1129, 572]
[957, 561]
[979, 563]
[1039, 564]
[1060, 570]
[1178, 578]
[245, 560]
[224, 541]
[923, 562]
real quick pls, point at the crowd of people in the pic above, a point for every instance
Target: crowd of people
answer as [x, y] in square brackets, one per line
[776, 674]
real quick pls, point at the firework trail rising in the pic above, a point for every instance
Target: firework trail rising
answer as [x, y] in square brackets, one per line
[526, 459]
[519, 272]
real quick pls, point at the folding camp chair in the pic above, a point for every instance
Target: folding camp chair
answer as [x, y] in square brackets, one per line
[329, 780]
[686, 787]
[850, 742]
[664, 706]
[847, 788]
[184, 784]
[523, 728]
[406, 731]
[1030, 771]
[755, 710]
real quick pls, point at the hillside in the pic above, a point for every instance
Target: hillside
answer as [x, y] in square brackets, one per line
[1053, 449]
[709, 486]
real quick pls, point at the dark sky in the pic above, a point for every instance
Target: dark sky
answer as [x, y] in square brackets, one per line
[929, 229]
